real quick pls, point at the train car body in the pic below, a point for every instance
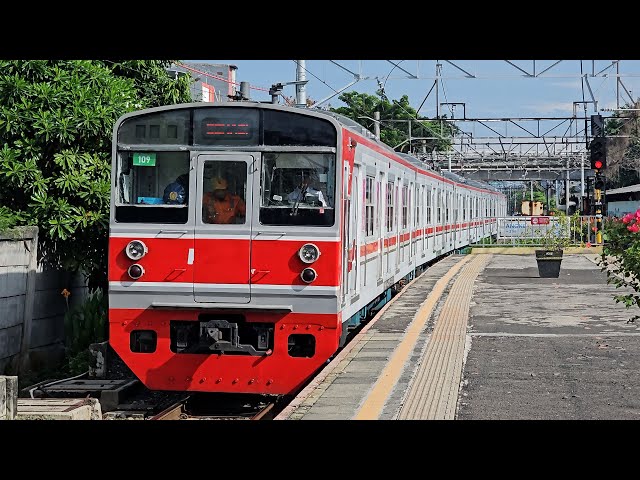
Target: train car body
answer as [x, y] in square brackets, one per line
[259, 303]
[623, 200]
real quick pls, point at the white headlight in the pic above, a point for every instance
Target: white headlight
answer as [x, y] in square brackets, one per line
[309, 253]
[136, 249]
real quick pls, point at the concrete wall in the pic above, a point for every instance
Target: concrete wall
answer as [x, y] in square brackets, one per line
[32, 306]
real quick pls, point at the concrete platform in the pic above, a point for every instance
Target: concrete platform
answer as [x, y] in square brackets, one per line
[59, 409]
[340, 390]
[516, 347]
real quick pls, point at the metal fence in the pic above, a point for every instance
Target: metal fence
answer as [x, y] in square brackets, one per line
[528, 231]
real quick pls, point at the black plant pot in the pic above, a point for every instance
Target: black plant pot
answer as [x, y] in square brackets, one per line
[549, 263]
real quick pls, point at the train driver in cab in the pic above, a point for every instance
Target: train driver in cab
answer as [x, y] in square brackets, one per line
[221, 206]
[305, 191]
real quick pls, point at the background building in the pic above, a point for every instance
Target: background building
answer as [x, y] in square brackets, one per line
[214, 82]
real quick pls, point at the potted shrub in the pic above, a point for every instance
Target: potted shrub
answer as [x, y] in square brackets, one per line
[553, 240]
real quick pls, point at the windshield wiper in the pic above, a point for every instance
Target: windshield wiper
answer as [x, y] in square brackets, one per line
[297, 204]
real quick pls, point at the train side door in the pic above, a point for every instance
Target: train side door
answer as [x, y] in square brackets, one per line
[380, 225]
[388, 223]
[346, 219]
[456, 207]
[355, 228]
[468, 218]
[397, 218]
[223, 223]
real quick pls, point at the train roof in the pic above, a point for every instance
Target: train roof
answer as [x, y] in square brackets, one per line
[349, 123]
[411, 159]
[407, 157]
[467, 181]
[627, 189]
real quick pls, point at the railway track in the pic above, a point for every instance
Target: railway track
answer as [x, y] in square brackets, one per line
[222, 408]
[203, 406]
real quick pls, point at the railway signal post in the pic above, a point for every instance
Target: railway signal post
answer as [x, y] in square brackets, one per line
[598, 159]
[598, 187]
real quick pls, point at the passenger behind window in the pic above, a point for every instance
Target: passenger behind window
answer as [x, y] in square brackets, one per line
[221, 206]
[177, 192]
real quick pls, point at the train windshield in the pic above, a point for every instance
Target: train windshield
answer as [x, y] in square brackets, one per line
[298, 189]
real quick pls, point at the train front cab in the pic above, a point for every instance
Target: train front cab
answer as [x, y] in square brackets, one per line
[247, 306]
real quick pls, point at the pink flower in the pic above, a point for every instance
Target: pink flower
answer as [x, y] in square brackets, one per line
[627, 218]
[638, 213]
[588, 245]
[633, 228]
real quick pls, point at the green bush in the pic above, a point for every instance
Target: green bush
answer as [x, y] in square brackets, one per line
[85, 324]
[620, 257]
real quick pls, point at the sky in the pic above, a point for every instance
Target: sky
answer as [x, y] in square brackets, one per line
[499, 90]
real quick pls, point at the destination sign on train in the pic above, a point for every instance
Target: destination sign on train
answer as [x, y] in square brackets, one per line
[227, 128]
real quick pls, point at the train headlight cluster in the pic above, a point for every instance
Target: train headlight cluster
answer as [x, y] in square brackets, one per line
[309, 253]
[308, 275]
[136, 249]
[135, 271]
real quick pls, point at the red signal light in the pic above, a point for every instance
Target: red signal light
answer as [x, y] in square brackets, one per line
[598, 164]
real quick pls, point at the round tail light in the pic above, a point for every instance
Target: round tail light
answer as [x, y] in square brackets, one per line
[308, 275]
[135, 271]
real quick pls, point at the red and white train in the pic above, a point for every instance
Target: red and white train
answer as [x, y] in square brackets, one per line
[322, 222]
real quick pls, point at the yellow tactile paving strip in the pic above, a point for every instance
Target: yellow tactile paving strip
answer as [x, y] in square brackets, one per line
[301, 404]
[375, 401]
[433, 393]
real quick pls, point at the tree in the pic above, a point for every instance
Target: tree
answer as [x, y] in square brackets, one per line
[521, 191]
[623, 147]
[56, 126]
[394, 121]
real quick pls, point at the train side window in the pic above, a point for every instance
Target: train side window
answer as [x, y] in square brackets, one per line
[369, 206]
[428, 206]
[405, 205]
[447, 205]
[390, 207]
[152, 187]
[418, 203]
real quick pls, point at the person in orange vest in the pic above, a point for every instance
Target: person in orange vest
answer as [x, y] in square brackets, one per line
[221, 206]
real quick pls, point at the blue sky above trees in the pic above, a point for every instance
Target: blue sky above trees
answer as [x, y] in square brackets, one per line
[499, 90]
